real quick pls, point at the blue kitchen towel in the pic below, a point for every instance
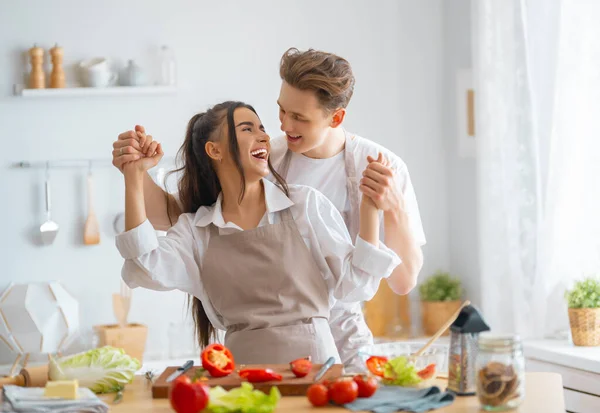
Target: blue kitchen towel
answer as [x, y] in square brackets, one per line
[389, 399]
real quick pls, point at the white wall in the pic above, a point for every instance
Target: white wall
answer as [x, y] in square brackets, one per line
[225, 50]
[461, 178]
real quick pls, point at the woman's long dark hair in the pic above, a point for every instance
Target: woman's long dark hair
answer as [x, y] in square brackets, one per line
[199, 185]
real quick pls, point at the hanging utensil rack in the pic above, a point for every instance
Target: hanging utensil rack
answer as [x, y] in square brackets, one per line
[72, 163]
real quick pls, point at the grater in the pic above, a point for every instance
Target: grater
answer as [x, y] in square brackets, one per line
[462, 354]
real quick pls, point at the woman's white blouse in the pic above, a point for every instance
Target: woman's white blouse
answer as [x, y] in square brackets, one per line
[351, 272]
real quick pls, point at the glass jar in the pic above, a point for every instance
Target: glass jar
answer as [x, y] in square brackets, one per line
[168, 71]
[500, 370]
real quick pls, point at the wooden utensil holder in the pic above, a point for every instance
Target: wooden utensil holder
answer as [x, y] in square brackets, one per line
[131, 338]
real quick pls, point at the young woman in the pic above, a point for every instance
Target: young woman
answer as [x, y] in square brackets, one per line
[265, 262]
[316, 151]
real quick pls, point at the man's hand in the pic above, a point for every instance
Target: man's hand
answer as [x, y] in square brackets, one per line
[378, 184]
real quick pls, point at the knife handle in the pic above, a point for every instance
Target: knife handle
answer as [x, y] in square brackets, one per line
[188, 365]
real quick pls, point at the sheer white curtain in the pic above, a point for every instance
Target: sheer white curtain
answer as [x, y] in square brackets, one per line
[537, 80]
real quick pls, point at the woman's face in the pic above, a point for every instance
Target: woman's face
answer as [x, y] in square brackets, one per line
[302, 118]
[253, 143]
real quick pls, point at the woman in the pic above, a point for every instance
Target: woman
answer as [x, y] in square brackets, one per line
[316, 151]
[263, 262]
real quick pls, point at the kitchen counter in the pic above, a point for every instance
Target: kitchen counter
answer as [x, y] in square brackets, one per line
[563, 352]
[544, 393]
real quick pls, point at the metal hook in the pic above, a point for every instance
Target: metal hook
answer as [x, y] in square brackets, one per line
[47, 170]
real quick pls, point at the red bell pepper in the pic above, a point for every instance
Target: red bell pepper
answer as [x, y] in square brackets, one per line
[259, 375]
[375, 365]
[217, 360]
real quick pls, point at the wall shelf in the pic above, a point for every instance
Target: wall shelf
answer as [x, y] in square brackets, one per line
[21, 91]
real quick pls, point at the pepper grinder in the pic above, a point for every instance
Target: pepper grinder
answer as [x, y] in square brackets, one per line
[37, 77]
[57, 78]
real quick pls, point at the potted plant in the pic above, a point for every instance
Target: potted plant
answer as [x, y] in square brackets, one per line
[583, 301]
[440, 298]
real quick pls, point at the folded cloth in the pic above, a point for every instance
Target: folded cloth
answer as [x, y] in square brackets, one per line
[32, 400]
[389, 399]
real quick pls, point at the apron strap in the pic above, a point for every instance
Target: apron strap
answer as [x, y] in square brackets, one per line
[351, 182]
[285, 164]
[214, 231]
[286, 215]
[352, 185]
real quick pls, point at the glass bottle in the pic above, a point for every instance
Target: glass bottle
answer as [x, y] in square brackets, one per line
[168, 69]
[500, 369]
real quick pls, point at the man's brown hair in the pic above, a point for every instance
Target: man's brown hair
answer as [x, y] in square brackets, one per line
[328, 75]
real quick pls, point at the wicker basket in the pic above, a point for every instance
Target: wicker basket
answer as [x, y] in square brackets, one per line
[435, 313]
[585, 326]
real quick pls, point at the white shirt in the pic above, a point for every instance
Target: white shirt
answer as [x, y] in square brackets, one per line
[351, 272]
[328, 176]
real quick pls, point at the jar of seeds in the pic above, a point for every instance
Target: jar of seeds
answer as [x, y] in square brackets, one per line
[500, 369]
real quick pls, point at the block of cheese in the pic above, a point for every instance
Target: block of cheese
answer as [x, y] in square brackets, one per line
[65, 389]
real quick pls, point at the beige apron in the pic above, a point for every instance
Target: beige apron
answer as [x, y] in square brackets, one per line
[269, 293]
[351, 218]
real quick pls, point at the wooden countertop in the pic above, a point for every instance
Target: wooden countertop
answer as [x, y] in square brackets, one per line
[544, 393]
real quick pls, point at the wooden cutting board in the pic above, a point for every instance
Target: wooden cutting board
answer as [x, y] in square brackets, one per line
[290, 385]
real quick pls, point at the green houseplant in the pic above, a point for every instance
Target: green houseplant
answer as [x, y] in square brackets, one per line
[440, 297]
[583, 301]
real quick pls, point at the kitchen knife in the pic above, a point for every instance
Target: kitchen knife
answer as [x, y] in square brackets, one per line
[324, 368]
[180, 370]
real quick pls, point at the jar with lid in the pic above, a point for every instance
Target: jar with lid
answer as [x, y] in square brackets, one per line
[500, 369]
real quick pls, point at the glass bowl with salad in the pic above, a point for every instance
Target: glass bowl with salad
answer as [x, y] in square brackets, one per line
[393, 362]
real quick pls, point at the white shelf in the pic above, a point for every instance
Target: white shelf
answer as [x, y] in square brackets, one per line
[21, 91]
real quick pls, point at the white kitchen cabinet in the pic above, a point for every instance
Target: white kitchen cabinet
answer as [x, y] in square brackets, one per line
[579, 367]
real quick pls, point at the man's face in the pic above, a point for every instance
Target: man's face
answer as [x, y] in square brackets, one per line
[305, 123]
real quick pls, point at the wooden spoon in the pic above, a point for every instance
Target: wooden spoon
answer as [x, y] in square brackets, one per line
[438, 333]
[91, 232]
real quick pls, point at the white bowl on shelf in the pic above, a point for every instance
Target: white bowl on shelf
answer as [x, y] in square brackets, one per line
[436, 353]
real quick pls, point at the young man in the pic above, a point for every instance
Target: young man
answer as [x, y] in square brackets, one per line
[317, 151]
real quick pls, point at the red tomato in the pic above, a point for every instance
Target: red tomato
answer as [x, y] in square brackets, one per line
[187, 396]
[367, 386]
[301, 367]
[343, 391]
[427, 373]
[317, 395]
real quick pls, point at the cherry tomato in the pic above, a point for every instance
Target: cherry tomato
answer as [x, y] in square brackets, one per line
[367, 386]
[343, 391]
[317, 395]
[187, 396]
[301, 367]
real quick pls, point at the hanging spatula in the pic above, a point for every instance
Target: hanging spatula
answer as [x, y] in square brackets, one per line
[48, 229]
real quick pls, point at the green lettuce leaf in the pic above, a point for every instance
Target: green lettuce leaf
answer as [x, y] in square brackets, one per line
[243, 399]
[102, 370]
[400, 372]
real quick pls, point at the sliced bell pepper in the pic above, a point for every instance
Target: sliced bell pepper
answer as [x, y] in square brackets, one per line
[217, 360]
[375, 365]
[259, 375]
